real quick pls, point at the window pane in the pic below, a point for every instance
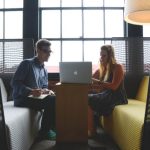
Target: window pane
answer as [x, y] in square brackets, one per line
[13, 3]
[51, 24]
[13, 54]
[72, 51]
[107, 41]
[92, 3]
[53, 62]
[49, 3]
[92, 52]
[70, 3]
[120, 51]
[114, 3]
[71, 23]
[1, 25]
[146, 51]
[13, 24]
[146, 31]
[1, 3]
[114, 23]
[1, 56]
[93, 23]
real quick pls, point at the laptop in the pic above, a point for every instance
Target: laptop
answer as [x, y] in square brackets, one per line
[75, 72]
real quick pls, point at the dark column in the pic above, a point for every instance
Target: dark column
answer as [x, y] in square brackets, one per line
[30, 25]
[134, 59]
[135, 49]
[134, 30]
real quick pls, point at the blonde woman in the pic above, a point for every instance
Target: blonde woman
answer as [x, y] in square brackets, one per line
[110, 80]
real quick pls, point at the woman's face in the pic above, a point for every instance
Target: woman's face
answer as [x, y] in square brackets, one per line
[103, 57]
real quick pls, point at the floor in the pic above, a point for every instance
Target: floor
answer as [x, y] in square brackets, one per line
[101, 141]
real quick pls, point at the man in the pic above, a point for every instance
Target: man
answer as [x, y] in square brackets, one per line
[31, 80]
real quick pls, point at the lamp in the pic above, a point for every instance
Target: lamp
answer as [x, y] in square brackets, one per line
[137, 12]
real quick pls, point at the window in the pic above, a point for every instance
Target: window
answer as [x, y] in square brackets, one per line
[133, 53]
[146, 31]
[13, 3]
[11, 53]
[146, 53]
[72, 51]
[114, 3]
[1, 25]
[49, 25]
[93, 26]
[13, 28]
[146, 34]
[78, 28]
[114, 25]
[11, 19]
[11, 23]
[71, 24]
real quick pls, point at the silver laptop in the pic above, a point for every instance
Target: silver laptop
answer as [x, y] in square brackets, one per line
[75, 72]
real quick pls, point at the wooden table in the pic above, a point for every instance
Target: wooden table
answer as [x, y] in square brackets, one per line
[71, 113]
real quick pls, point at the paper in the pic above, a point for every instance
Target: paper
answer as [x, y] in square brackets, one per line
[94, 79]
[42, 96]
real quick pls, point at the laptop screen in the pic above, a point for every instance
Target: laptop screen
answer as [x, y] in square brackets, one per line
[75, 72]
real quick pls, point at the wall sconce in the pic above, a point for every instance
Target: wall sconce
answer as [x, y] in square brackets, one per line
[137, 12]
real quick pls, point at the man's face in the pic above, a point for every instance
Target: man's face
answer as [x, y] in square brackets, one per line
[44, 53]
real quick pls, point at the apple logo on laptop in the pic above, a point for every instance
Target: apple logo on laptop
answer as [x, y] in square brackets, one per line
[75, 72]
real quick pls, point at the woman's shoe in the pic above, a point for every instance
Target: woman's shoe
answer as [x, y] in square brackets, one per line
[91, 134]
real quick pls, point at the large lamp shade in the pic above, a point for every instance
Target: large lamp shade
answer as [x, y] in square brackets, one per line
[137, 12]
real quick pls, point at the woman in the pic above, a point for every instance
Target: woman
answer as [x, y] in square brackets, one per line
[109, 79]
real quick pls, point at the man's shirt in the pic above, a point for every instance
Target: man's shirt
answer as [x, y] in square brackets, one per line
[29, 74]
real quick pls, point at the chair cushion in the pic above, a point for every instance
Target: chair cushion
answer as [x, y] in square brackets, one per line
[126, 123]
[143, 89]
[22, 126]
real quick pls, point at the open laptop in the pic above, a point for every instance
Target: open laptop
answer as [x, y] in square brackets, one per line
[75, 72]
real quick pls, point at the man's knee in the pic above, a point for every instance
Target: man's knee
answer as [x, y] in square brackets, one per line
[51, 100]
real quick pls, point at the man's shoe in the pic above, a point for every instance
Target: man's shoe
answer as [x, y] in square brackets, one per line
[51, 135]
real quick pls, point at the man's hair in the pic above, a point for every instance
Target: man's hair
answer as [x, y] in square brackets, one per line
[42, 42]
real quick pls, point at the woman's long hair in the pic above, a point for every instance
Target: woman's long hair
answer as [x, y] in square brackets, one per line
[104, 74]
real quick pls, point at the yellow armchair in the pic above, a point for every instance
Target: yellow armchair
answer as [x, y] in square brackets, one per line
[126, 122]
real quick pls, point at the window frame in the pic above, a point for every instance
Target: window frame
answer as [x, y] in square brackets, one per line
[103, 39]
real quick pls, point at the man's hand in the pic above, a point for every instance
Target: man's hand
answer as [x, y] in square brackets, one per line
[51, 92]
[36, 92]
[47, 91]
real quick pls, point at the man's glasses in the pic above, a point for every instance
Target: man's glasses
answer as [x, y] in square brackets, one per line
[48, 51]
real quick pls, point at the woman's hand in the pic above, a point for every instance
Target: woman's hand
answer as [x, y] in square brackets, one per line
[94, 80]
[97, 86]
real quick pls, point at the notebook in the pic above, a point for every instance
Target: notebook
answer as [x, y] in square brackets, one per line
[75, 72]
[42, 96]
